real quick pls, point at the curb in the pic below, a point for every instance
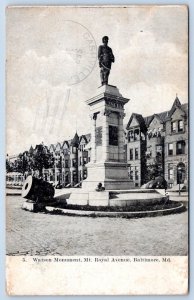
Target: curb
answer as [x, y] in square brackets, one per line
[135, 214]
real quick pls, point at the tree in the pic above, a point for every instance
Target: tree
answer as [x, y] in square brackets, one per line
[154, 169]
[23, 163]
[9, 166]
[42, 158]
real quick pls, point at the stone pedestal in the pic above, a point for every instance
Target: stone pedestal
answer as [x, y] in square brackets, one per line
[112, 175]
[107, 165]
[107, 141]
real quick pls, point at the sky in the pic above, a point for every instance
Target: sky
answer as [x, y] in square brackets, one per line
[47, 47]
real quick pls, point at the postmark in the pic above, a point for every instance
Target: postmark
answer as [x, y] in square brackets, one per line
[80, 52]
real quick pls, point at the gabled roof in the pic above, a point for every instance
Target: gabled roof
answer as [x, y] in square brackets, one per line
[161, 116]
[58, 145]
[31, 149]
[75, 140]
[65, 143]
[88, 137]
[51, 147]
[184, 107]
[176, 104]
[139, 119]
[84, 138]
[40, 147]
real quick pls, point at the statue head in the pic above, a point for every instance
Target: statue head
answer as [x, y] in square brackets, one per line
[105, 39]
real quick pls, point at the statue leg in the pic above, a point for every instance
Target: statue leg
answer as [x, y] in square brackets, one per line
[102, 76]
[106, 74]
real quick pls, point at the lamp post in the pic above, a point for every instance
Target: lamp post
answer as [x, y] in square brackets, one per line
[179, 172]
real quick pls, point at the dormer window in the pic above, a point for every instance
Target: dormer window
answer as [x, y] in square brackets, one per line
[74, 149]
[130, 136]
[173, 127]
[180, 125]
[136, 134]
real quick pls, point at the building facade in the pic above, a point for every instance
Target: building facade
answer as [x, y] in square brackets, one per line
[70, 159]
[154, 145]
[162, 142]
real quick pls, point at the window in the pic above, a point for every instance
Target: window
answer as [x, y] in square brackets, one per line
[173, 126]
[131, 175]
[131, 154]
[170, 171]
[170, 149]
[74, 149]
[74, 163]
[74, 177]
[82, 147]
[180, 125]
[136, 153]
[66, 151]
[180, 147]
[136, 134]
[85, 160]
[130, 136]
[136, 173]
[85, 174]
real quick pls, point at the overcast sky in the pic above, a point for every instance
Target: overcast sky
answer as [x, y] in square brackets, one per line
[151, 66]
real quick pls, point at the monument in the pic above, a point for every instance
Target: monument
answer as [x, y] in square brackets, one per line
[107, 166]
[107, 163]
[107, 183]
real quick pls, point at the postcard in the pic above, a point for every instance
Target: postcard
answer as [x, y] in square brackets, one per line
[97, 169]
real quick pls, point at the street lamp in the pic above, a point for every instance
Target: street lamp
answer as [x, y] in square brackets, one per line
[179, 172]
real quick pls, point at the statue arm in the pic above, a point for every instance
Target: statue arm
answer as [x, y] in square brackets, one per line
[112, 56]
[100, 55]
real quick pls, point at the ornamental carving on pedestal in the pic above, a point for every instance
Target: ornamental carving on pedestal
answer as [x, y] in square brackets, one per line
[114, 103]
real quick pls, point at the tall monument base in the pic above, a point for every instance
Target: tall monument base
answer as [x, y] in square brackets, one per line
[108, 165]
[112, 175]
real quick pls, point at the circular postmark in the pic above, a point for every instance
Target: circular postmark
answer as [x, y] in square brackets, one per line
[80, 53]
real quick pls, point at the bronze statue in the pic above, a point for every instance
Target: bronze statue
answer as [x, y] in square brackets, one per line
[106, 58]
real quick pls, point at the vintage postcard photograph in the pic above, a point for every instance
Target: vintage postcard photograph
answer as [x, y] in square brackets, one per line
[97, 169]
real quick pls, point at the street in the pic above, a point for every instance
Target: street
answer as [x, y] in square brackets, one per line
[45, 234]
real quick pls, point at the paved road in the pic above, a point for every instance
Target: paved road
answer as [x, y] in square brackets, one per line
[45, 234]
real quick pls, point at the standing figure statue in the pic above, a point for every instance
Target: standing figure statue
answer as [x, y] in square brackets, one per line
[106, 58]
